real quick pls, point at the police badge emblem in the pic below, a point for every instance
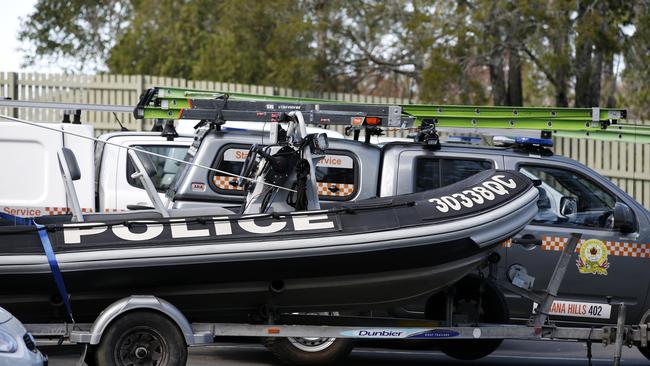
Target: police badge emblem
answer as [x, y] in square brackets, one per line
[593, 257]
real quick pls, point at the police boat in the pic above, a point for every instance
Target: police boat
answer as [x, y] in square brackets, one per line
[279, 251]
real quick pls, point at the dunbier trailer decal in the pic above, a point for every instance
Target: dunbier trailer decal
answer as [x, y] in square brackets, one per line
[401, 333]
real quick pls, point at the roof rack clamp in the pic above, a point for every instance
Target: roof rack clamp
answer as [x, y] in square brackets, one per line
[372, 131]
[428, 135]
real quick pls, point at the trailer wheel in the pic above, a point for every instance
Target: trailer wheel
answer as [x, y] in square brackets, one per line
[142, 338]
[310, 351]
[494, 309]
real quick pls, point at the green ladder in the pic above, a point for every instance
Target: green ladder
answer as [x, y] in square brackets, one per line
[590, 123]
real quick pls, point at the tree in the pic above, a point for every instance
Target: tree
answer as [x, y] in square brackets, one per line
[77, 35]
[550, 49]
[636, 76]
[164, 38]
[384, 43]
[244, 41]
[453, 73]
[503, 52]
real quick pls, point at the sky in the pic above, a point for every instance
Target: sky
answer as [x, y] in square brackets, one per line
[12, 11]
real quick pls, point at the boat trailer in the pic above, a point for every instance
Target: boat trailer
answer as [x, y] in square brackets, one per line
[369, 328]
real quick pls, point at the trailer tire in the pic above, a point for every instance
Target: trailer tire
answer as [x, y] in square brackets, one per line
[494, 310]
[308, 351]
[142, 338]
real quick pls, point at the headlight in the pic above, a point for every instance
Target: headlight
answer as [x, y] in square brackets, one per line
[7, 343]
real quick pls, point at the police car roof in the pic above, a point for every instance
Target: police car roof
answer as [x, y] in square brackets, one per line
[475, 149]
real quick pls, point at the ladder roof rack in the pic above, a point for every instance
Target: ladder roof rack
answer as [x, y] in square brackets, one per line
[179, 103]
[218, 107]
[591, 123]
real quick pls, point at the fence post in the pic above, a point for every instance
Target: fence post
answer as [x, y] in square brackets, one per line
[138, 93]
[13, 91]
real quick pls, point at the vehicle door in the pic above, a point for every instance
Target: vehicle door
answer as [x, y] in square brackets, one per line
[421, 169]
[608, 263]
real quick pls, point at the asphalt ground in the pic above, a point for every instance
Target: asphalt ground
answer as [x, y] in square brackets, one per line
[511, 352]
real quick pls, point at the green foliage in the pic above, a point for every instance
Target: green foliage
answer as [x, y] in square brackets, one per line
[244, 41]
[252, 43]
[161, 38]
[451, 74]
[76, 34]
[636, 76]
[471, 51]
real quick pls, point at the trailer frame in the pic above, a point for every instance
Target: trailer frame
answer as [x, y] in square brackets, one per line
[538, 328]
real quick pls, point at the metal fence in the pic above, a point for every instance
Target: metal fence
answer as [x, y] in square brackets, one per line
[627, 164]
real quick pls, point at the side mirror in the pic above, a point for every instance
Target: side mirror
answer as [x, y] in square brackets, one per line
[568, 206]
[624, 219]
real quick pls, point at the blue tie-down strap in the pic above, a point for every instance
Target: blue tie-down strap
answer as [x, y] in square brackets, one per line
[49, 253]
[17, 220]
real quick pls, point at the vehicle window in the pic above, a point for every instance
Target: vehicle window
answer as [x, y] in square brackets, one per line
[432, 173]
[335, 174]
[165, 169]
[231, 161]
[592, 205]
[99, 150]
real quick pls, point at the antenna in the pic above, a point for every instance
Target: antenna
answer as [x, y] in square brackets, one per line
[122, 128]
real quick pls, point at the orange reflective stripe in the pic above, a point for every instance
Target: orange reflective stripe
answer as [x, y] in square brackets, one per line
[344, 189]
[223, 182]
[615, 248]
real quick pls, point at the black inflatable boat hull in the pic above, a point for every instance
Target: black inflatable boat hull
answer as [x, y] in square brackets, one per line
[368, 255]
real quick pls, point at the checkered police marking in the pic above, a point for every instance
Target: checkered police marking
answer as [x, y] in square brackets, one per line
[40, 211]
[616, 248]
[335, 189]
[325, 189]
[224, 182]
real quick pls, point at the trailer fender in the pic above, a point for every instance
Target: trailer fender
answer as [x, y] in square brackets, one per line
[93, 337]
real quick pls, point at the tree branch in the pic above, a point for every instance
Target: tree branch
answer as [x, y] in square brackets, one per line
[540, 65]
